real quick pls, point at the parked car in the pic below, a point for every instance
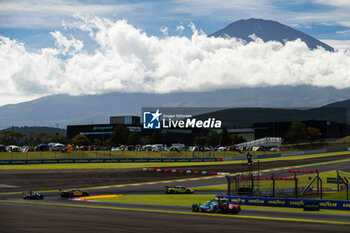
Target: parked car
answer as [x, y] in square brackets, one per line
[221, 148]
[54, 146]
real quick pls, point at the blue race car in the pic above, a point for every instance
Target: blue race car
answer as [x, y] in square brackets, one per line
[217, 206]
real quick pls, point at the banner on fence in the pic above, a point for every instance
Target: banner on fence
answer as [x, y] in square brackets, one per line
[289, 202]
[335, 180]
[105, 160]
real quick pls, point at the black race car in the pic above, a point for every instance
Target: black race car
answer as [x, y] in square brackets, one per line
[32, 195]
[74, 193]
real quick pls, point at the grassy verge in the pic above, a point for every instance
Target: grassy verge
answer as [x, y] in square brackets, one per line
[169, 199]
[336, 196]
[131, 154]
[212, 187]
[124, 154]
[106, 165]
[189, 199]
[303, 180]
[140, 165]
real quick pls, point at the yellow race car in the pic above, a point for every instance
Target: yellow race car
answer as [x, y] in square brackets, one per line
[74, 193]
[178, 189]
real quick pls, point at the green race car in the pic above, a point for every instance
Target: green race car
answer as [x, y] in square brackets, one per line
[178, 189]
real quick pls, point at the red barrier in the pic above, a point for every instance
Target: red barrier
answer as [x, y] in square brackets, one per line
[302, 171]
[166, 170]
[195, 172]
[181, 171]
[263, 178]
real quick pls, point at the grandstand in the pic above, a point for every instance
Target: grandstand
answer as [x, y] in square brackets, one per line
[264, 142]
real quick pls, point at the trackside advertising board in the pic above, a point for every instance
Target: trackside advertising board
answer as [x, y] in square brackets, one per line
[289, 202]
[105, 160]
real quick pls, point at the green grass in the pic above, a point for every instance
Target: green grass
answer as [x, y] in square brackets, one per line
[212, 187]
[140, 165]
[165, 199]
[124, 154]
[336, 195]
[303, 181]
[189, 199]
[343, 140]
[133, 154]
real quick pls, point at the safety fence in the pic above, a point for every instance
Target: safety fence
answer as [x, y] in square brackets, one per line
[289, 202]
[125, 154]
[106, 160]
[19, 157]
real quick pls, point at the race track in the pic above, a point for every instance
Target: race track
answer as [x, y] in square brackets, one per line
[54, 214]
[38, 218]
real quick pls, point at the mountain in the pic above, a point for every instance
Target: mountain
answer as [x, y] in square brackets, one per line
[268, 30]
[62, 110]
[246, 117]
[339, 104]
[37, 130]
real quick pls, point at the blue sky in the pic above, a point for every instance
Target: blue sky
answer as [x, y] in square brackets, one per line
[52, 47]
[31, 21]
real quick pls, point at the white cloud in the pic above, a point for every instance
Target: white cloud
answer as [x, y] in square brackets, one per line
[50, 13]
[180, 28]
[40, 14]
[338, 44]
[343, 32]
[337, 3]
[65, 45]
[127, 59]
[164, 30]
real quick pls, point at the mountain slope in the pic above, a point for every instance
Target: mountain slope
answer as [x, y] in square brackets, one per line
[268, 30]
[245, 117]
[65, 109]
[37, 130]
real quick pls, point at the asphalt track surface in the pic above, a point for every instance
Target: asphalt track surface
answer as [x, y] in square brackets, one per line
[37, 218]
[19, 180]
[53, 217]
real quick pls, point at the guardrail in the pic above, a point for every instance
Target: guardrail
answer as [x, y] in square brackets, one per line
[106, 160]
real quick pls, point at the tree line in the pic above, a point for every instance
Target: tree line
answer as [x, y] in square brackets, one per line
[121, 135]
[299, 132]
[9, 137]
